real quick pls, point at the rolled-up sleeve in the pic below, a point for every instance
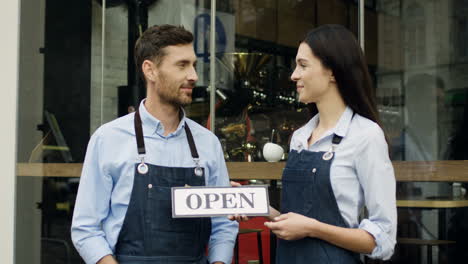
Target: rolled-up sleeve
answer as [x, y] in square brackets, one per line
[223, 231]
[92, 206]
[377, 178]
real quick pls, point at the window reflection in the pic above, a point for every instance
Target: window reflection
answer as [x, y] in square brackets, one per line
[422, 105]
[261, 103]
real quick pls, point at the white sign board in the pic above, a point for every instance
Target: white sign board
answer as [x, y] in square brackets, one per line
[220, 201]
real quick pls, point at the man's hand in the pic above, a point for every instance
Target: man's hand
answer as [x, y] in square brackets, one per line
[292, 226]
[238, 218]
[235, 184]
[109, 259]
[243, 218]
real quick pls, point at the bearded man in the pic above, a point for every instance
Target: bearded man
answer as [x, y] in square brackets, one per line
[123, 208]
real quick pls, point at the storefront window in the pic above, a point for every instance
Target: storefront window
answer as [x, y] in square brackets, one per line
[416, 61]
[254, 67]
[53, 124]
[77, 73]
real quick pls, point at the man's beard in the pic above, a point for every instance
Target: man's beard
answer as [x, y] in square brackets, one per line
[169, 94]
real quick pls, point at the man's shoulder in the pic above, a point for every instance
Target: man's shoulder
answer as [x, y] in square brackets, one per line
[122, 124]
[199, 130]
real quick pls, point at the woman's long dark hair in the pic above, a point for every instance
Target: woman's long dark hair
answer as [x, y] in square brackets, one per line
[338, 50]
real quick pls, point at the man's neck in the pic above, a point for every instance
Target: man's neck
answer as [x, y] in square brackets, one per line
[167, 114]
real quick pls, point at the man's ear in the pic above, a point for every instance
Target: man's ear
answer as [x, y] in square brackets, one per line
[149, 70]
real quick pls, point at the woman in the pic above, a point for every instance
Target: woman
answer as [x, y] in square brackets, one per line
[338, 162]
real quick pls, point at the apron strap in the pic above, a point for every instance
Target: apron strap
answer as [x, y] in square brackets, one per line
[141, 142]
[336, 139]
[193, 148]
[139, 134]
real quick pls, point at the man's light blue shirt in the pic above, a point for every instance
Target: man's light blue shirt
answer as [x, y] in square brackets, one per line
[107, 180]
[361, 175]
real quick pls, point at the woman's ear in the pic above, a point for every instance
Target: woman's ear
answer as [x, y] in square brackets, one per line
[332, 77]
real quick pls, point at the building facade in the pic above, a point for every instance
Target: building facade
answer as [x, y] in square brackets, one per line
[68, 68]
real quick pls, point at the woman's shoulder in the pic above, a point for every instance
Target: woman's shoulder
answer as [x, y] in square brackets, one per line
[304, 130]
[366, 129]
[300, 130]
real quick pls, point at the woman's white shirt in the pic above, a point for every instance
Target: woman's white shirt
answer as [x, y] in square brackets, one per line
[361, 175]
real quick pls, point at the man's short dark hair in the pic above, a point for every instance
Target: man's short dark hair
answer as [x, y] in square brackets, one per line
[150, 45]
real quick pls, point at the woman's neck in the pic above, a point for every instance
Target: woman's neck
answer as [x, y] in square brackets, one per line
[330, 109]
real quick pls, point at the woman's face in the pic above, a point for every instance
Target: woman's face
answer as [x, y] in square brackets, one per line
[312, 79]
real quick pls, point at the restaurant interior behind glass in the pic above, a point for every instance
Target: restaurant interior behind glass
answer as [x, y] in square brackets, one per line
[77, 72]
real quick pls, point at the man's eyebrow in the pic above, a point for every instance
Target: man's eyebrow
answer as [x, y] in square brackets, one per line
[183, 62]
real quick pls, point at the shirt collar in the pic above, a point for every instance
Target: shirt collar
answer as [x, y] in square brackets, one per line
[340, 129]
[152, 125]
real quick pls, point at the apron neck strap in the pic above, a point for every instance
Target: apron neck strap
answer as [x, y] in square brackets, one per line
[193, 148]
[139, 134]
[336, 139]
[141, 142]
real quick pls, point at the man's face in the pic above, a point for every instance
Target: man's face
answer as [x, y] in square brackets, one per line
[176, 75]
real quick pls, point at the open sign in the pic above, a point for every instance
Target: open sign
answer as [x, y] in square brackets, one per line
[219, 201]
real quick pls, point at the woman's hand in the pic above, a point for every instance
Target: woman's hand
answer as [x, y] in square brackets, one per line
[108, 259]
[292, 226]
[238, 218]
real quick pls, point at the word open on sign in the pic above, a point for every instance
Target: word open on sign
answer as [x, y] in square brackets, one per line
[219, 201]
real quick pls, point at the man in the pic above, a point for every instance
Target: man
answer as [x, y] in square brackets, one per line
[123, 207]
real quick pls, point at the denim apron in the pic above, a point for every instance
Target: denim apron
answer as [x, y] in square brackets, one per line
[149, 233]
[307, 191]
